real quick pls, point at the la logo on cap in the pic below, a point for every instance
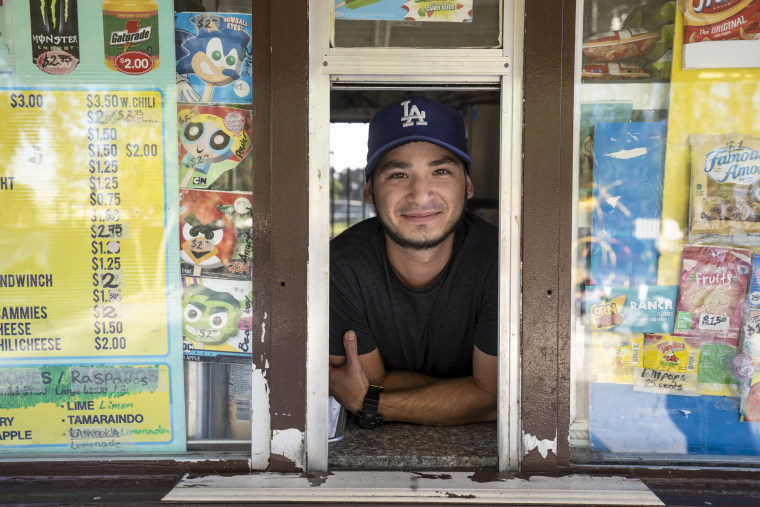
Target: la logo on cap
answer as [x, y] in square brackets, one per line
[412, 114]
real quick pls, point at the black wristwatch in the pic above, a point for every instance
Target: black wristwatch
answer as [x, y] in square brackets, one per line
[368, 417]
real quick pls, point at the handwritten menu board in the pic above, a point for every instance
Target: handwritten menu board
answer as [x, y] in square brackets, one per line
[90, 319]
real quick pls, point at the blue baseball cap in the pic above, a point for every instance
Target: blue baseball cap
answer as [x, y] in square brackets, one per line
[415, 118]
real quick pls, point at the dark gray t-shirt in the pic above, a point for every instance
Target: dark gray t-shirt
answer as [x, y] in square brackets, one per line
[430, 331]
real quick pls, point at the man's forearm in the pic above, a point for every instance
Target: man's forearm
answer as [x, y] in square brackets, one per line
[400, 380]
[451, 401]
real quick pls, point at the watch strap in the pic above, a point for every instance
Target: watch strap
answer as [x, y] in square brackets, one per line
[372, 398]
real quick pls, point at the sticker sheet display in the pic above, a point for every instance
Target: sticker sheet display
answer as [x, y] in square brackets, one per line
[215, 234]
[725, 188]
[214, 57]
[213, 140]
[711, 295]
[216, 318]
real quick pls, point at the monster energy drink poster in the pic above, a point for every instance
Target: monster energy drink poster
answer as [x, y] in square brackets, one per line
[90, 284]
[55, 35]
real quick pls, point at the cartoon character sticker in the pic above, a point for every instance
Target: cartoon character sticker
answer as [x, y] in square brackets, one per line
[213, 140]
[215, 234]
[214, 59]
[216, 317]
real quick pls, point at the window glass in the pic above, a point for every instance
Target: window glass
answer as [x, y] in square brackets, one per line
[666, 228]
[417, 24]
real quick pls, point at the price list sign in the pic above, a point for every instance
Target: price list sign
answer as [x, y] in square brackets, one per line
[83, 279]
[82, 219]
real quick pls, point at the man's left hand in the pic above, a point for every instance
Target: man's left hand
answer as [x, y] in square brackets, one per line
[348, 382]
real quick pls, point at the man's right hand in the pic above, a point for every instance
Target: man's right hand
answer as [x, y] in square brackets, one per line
[348, 382]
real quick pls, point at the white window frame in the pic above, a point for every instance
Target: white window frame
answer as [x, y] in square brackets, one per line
[383, 66]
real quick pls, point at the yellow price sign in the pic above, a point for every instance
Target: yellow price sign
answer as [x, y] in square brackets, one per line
[82, 224]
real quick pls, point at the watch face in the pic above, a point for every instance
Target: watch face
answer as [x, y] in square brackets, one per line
[369, 420]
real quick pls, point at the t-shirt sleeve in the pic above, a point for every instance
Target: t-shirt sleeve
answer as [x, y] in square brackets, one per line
[347, 311]
[487, 325]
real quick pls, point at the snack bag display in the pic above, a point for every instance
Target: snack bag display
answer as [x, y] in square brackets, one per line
[615, 355]
[212, 141]
[619, 44]
[711, 295]
[216, 318]
[705, 20]
[725, 187]
[215, 234]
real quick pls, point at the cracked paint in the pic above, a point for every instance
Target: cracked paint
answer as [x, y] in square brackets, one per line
[289, 443]
[531, 442]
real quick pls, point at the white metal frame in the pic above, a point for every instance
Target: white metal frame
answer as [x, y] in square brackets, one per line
[377, 66]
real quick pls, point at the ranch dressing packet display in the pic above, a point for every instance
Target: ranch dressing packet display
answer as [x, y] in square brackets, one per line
[725, 187]
[711, 294]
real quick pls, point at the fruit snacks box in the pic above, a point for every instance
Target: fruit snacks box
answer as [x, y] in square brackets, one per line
[216, 318]
[712, 289]
[214, 57]
[214, 145]
[215, 234]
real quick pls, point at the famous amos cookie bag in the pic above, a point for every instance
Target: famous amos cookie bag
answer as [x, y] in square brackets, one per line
[725, 188]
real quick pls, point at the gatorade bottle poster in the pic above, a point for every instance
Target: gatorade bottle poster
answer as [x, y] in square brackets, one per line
[90, 291]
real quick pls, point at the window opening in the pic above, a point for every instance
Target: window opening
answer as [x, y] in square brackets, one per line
[403, 445]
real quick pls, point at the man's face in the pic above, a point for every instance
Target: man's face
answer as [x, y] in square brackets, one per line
[419, 190]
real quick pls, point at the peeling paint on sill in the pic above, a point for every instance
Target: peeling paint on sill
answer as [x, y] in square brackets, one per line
[289, 443]
[531, 442]
[261, 420]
